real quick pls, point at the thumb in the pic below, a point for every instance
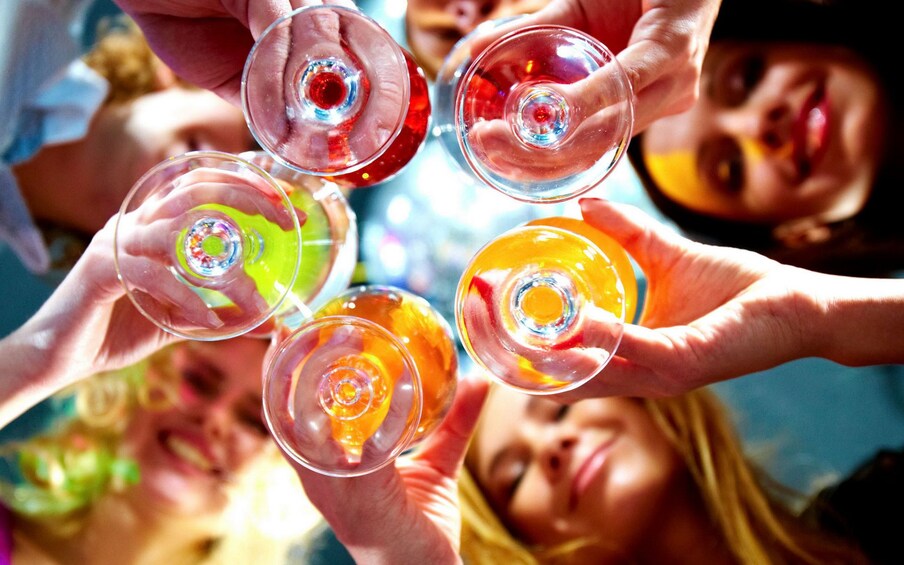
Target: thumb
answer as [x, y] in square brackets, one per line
[445, 448]
[645, 239]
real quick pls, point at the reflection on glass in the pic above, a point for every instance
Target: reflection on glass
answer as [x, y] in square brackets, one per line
[542, 307]
[543, 113]
[327, 91]
[370, 376]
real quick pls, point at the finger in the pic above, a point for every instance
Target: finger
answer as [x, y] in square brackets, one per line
[666, 96]
[242, 290]
[163, 297]
[445, 448]
[246, 191]
[263, 13]
[645, 239]
[484, 35]
[621, 377]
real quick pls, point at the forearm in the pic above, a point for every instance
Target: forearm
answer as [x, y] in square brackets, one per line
[860, 321]
[27, 374]
[53, 349]
[401, 556]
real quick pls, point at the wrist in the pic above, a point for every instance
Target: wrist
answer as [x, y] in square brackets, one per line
[862, 320]
[413, 556]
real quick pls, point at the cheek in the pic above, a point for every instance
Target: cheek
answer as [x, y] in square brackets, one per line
[531, 512]
[247, 446]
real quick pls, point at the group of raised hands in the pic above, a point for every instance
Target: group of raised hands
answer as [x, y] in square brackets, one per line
[710, 313]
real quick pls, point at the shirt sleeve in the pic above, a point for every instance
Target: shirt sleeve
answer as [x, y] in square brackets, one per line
[46, 96]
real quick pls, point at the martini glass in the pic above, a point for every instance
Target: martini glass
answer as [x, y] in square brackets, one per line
[542, 307]
[327, 91]
[542, 114]
[369, 377]
[329, 239]
[207, 245]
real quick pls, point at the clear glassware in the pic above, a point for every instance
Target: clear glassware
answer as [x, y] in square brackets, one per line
[329, 239]
[369, 377]
[542, 114]
[327, 91]
[207, 245]
[542, 307]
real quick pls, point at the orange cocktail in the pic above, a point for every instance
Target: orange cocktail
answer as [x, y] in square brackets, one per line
[542, 307]
[368, 377]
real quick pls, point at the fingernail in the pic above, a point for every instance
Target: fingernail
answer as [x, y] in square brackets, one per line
[213, 321]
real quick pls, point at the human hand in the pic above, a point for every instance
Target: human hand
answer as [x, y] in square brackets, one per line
[711, 313]
[155, 275]
[407, 512]
[527, 361]
[207, 41]
[89, 325]
[660, 44]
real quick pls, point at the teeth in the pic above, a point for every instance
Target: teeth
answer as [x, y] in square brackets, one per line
[816, 121]
[186, 451]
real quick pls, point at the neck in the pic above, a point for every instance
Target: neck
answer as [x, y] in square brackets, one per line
[685, 534]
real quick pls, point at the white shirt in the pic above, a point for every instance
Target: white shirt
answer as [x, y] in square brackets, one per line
[47, 96]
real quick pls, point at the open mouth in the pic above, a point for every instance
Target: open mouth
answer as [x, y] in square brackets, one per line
[188, 452]
[811, 131]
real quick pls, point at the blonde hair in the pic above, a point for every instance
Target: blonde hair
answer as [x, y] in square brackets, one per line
[749, 509]
[58, 476]
[123, 57]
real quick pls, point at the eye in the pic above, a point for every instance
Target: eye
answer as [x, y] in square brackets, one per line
[729, 170]
[741, 79]
[514, 475]
[561, 412]
[726, 167]
[201, 380]
[254, 420]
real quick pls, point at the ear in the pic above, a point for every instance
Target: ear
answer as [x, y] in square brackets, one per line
[801, 232]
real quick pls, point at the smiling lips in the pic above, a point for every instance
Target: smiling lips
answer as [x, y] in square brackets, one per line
[587, 472]
[189, 450]
[810, 132]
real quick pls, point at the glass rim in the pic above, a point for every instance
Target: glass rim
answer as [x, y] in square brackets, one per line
[397, 53]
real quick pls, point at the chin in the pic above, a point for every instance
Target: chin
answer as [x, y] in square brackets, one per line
[172, 494]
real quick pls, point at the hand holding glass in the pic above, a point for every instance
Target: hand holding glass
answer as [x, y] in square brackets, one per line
[327, 91]
[207, 245]
[542, 307]
[543, 114]
[371, 375]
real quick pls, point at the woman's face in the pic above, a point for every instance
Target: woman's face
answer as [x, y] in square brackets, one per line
[189, 453]
[779, 132]
[599, 468]
[435, 25]
[126, 140]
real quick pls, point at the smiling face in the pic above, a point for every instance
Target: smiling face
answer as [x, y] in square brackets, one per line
[780, 132]
[433, 26]
[598, 469]
[188, 454]
[82, 184]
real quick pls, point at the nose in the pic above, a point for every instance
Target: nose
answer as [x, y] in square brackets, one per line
[769, 126]
[556, 455]
[218, 422]
[470, 13]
